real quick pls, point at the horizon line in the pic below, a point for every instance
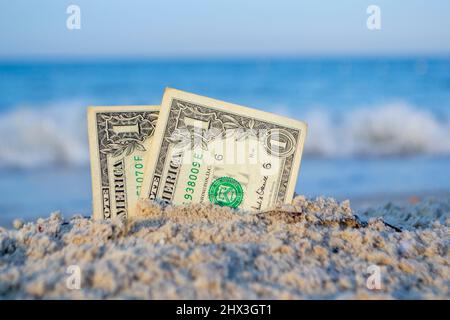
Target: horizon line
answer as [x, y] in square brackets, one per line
[213, 57]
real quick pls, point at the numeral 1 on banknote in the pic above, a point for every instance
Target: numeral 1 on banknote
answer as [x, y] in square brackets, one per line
[210, 151]
[119, 137]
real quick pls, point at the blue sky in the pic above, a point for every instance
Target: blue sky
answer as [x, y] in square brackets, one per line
[183, 28]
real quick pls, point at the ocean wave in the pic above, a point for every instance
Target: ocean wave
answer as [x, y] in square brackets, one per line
[388, 130]
[56, 135]
[45, 136]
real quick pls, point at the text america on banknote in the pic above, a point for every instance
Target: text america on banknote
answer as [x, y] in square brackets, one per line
[118, 139]
[210, 151]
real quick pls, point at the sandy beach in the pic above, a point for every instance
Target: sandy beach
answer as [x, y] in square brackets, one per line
[311, 249]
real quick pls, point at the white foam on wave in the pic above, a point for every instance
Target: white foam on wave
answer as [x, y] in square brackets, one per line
[389, 130]
[56, 134]
[51, 135]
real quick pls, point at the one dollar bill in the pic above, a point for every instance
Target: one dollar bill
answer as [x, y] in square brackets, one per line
[210, 151]
[119, 137]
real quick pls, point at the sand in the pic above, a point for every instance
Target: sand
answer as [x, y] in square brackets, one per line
[311, 249]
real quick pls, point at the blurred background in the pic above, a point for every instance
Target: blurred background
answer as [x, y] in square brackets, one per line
[375, 93]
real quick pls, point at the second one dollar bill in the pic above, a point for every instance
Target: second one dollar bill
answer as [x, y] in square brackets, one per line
[210, 151]
[119, 138]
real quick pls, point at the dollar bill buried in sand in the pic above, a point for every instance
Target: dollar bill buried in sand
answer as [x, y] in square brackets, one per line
[119, 137]
[210, 151]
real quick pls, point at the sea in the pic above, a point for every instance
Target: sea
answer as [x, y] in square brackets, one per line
[379, 128]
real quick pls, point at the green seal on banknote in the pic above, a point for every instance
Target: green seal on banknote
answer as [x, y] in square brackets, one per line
[226, 191]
